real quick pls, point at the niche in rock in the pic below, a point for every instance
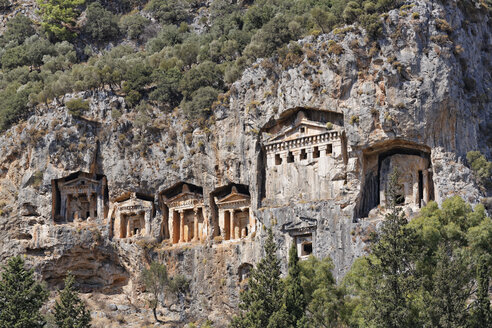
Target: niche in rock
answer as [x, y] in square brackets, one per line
[131, 215]
[231, 212]
[183, 213]
[304, 152]
[415, 183]
[79, 196]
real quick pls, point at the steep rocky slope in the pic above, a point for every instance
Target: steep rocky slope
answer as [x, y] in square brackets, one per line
[425, 86]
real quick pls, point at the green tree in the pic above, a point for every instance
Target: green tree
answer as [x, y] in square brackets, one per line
[295, 303]
[263, 298]
[21, 296]
[58, 17]
[481, 167]
[168, 11]
[156, 280]
[133, 25]
[326, 302]
[482, 312]
[18, 29]
[70, 310]
[167, 88]
[101, 24]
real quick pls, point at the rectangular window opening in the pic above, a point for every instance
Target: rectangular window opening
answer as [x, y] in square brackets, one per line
[316, 152]
[303, 154]
[329, 150]
[278, 159]
[421, 188]
[290, 157]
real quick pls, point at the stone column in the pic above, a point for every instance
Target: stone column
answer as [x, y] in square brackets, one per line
[129, 232]
[100, 206]
[67, 207]
[297, 155]
[222, 223]
[309, 152]
[195, 224]
[170, 224]
[232, 224]
[270, 159]
[425, 186]
[147, 222]
[322, 150]
[181, 226]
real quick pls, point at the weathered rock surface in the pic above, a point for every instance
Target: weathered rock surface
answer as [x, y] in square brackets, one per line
[416, 87]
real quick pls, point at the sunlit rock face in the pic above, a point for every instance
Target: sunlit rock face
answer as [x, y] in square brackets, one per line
[306, 150]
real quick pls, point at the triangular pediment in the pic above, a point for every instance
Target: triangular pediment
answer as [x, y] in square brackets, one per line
[184, 196]
[80, 182]
[294, 132]
[234, 197]
[300, 224]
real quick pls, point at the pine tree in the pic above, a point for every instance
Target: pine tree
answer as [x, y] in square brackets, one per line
[71, 311]
[482, 312]
[21, 297]
[392, 264]
[155, 279]
[294, 300]
[264, 295]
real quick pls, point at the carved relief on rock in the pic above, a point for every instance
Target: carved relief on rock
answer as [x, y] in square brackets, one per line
[79, 197]
[183, 213]
[302, 230]
[305, 156]
[235, 220]
[131, 215]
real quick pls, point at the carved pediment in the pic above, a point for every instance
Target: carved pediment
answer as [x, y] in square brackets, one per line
[233, 198]
[80, 182]
[300, 224]
[185, 200]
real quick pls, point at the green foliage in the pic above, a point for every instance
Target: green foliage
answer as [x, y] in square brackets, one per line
[326, 302]
[294, 301]
[18, 29]
[157, 281]
[167, 88]
[58, 17]
[482, 312]
[21, 296]
[264, 295]
[101, 24]
[70, 310]
[481, 167]
[168, 11]
[133, 25]
[77, 106]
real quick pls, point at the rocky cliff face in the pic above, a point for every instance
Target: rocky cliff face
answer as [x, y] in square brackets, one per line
[421, 90]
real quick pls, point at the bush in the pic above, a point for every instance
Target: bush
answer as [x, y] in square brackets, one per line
[133, 25]
[200, 103]
[4, 4]
[168, 11]
[101, 24]
[19, 28]
[77, 106]
[480, 166]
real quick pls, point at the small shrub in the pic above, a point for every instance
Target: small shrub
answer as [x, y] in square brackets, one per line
[415, 15]
[133, 25]
[354, 119]
[334, 48]
[443, 25]
[101, 24]
[37, 179]
[77, 106]
[218, 239]
[329, 125]
[480, 167]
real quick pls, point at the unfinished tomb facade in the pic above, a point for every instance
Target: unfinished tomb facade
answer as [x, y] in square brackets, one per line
[79, 197]
[235, 220]
[183, 213]
[131, 215]
[415, 182]
[305, 152]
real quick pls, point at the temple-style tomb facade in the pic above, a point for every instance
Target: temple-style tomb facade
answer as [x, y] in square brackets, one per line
[184, 209]
[78, 197]
[235, 219]
[302, 148]
[131, 215]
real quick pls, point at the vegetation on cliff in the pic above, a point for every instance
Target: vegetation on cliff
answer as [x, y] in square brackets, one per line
[182, 58]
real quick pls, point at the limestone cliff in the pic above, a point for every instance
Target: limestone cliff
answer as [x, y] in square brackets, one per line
[418, 98]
